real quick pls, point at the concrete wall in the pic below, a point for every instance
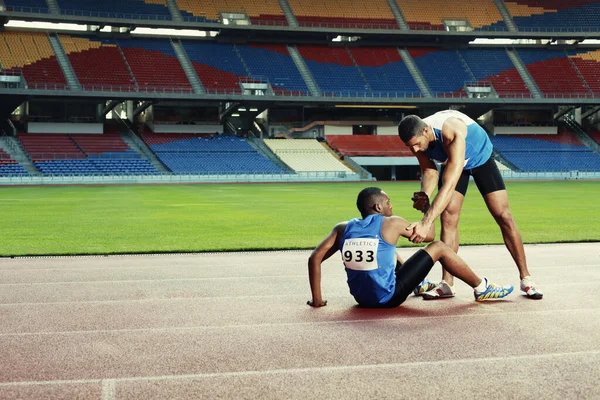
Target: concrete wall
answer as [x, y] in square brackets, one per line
[170, 128]
[530, 130]
[338, 130]
[64, 127]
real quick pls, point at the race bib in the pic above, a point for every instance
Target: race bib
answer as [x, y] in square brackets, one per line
[360, 254]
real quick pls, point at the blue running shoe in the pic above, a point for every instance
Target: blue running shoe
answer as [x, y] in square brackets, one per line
[493, 292]
[425, 286]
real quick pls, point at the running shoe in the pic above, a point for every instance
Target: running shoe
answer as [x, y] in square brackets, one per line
[493, 292]
[440, 291]
[425, 286]
[530, 289]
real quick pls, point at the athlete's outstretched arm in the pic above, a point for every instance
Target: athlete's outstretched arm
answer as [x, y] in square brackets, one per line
[429, 173]
[454, 132]
[324, 250]
[395, 227]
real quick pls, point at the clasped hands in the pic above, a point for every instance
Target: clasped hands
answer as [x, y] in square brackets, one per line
[419, 229]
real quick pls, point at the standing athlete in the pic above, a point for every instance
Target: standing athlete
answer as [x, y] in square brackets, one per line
[464, 149]
[376, 276]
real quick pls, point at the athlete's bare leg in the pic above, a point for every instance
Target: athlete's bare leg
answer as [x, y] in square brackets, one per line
[449, 234]
[452, 263]
[497, 203]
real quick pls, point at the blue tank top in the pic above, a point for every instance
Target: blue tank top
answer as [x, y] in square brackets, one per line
[369, 260]
[478, 145]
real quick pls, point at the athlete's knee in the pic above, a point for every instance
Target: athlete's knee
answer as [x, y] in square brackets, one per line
[449, 219]
[437, 249]
[504, 218]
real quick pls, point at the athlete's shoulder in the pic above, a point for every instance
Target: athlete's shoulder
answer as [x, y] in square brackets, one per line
[395, 221]
[340, 227]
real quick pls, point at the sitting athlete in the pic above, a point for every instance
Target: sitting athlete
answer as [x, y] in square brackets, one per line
[376, 276]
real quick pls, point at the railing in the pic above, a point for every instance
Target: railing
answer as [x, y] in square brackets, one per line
[106, 14]
[32, 10]
[284, 93]
[52, 156]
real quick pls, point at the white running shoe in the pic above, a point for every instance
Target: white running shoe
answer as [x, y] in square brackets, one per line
[441, 291]
[530, 289]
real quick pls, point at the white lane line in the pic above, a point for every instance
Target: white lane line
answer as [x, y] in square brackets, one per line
[130, 268]
[219, 298]
[302, 275]
[219, 278]
[157, 299]
[109, 391]
[327, 322]
[335, 368]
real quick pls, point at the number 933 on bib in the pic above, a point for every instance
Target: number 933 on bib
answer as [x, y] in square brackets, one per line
[360, 254]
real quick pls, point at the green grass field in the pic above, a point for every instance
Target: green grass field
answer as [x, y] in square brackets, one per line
[184, 218]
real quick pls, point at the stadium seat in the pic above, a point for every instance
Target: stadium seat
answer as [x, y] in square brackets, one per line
[430, 15]
[374, 14]
[84, 154]
[546, 153]
[494, 66]
[202, 154]
[130, 9]
[385, 71]
[369, 145]
[334, 70]
[154, 65]
[555, 15]
[263, 12]
[10, 167]
[31, 53]
[306, 155]
[29, 6]
[554, 72]
[98, 65]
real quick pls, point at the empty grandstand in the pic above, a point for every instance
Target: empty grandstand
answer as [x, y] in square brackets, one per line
[261, 69]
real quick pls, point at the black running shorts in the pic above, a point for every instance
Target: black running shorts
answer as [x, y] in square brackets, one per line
[409, 275]
[487, 178]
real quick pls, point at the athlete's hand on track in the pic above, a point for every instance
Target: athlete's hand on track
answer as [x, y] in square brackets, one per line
[420, 201]
[315, 304]
[419, 231]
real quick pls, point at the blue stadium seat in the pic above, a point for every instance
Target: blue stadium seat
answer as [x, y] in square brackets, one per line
[274, 63]
[34, 6]
[219, 155]
[532, 155]
[130, 9]
[443, 71]
[574, 19]
[12, 169]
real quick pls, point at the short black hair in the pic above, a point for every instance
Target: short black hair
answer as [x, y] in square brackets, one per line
[410, 126]
[366, 199]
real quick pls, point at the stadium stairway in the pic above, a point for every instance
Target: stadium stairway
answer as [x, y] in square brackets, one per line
[579, 132]
[508, 20]
[504, 161]
[174, 10]
[140, 147]
[263, 150]
[289, 14]
[53, 7]
[525, 75]
[400, 20]
[13, 148]
[415, 72]
[308, 77]
[342, 159]
[63, 61]
[187, 66]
